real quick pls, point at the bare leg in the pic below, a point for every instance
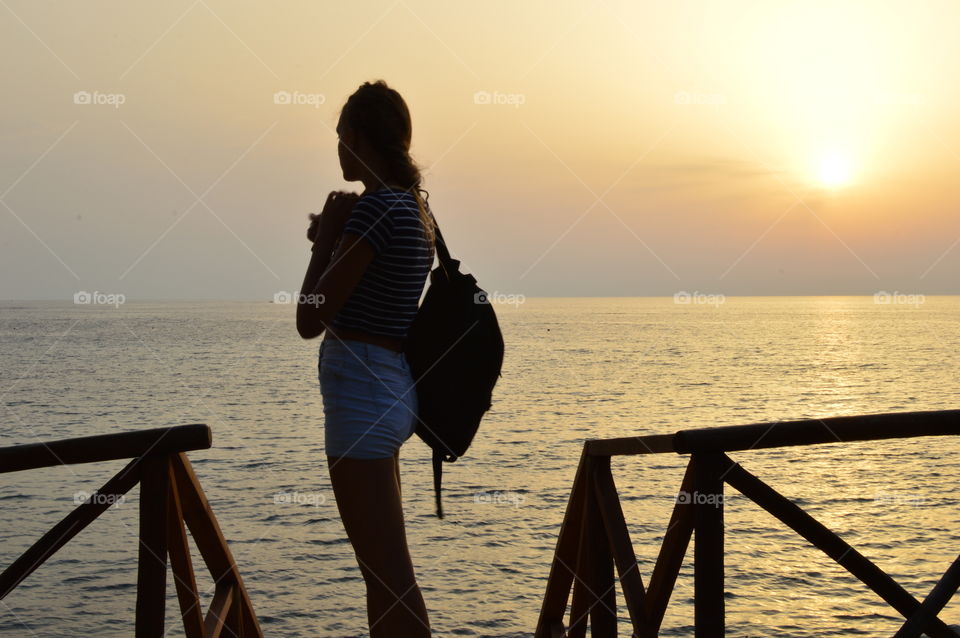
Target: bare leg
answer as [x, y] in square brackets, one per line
[368, 497]
[396, 461]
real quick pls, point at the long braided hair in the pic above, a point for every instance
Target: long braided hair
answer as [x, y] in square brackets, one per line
[380, 115]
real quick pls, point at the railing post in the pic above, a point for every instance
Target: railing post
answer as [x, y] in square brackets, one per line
[152, 570]
[707, 500]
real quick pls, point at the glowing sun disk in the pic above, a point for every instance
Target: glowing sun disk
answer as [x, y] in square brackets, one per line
[834, 169]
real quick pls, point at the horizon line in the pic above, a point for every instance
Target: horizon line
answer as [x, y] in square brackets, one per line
[664, 296]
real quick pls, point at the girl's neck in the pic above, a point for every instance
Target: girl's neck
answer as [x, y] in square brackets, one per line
[376, 185]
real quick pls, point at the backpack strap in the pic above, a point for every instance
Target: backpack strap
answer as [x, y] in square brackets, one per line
[437, 479]
[449, 264]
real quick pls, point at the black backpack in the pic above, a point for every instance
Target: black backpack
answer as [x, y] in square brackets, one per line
[455, 351]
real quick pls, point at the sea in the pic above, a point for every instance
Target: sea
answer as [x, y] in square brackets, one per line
[575, 369]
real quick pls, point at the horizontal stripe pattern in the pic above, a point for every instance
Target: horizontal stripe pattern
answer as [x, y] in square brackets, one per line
[385, 301]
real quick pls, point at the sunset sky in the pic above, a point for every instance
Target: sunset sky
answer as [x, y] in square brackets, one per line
[572, 148]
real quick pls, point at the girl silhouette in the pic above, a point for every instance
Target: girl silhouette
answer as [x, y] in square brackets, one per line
[371, 256]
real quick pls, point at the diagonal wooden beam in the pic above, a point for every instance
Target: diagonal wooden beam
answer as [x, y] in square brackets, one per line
[182, 566]
[70, 526]
[210, 541]
[594, 588]
[565, 558]
[236, 620]
[224, 598]
[599, 566]
[832, 545]
[670, 559]
[942, 592]
[580, 600]
[618, 538]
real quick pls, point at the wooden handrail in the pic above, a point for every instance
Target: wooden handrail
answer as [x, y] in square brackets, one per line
[594, 538]
[839, 429]
[648, 444]
[105, 447]
[171, 502]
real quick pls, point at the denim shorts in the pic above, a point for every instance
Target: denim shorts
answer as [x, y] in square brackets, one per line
[369, 399]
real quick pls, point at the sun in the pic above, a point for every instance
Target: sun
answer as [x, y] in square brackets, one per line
[834, 169]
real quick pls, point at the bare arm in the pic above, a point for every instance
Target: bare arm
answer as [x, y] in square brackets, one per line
[333, 279]
[337, 264]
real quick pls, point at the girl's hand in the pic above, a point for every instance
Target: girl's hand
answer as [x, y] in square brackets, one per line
[314, 226]
[336, 210]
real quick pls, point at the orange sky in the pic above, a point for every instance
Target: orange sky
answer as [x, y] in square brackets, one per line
[605, 148]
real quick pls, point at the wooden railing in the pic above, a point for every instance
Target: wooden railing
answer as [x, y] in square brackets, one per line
[594, 537]
[170, 497]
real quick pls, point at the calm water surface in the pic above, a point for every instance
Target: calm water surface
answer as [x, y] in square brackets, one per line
[575, 369]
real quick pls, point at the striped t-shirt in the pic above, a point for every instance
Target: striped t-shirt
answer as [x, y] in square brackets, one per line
[386, 298]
